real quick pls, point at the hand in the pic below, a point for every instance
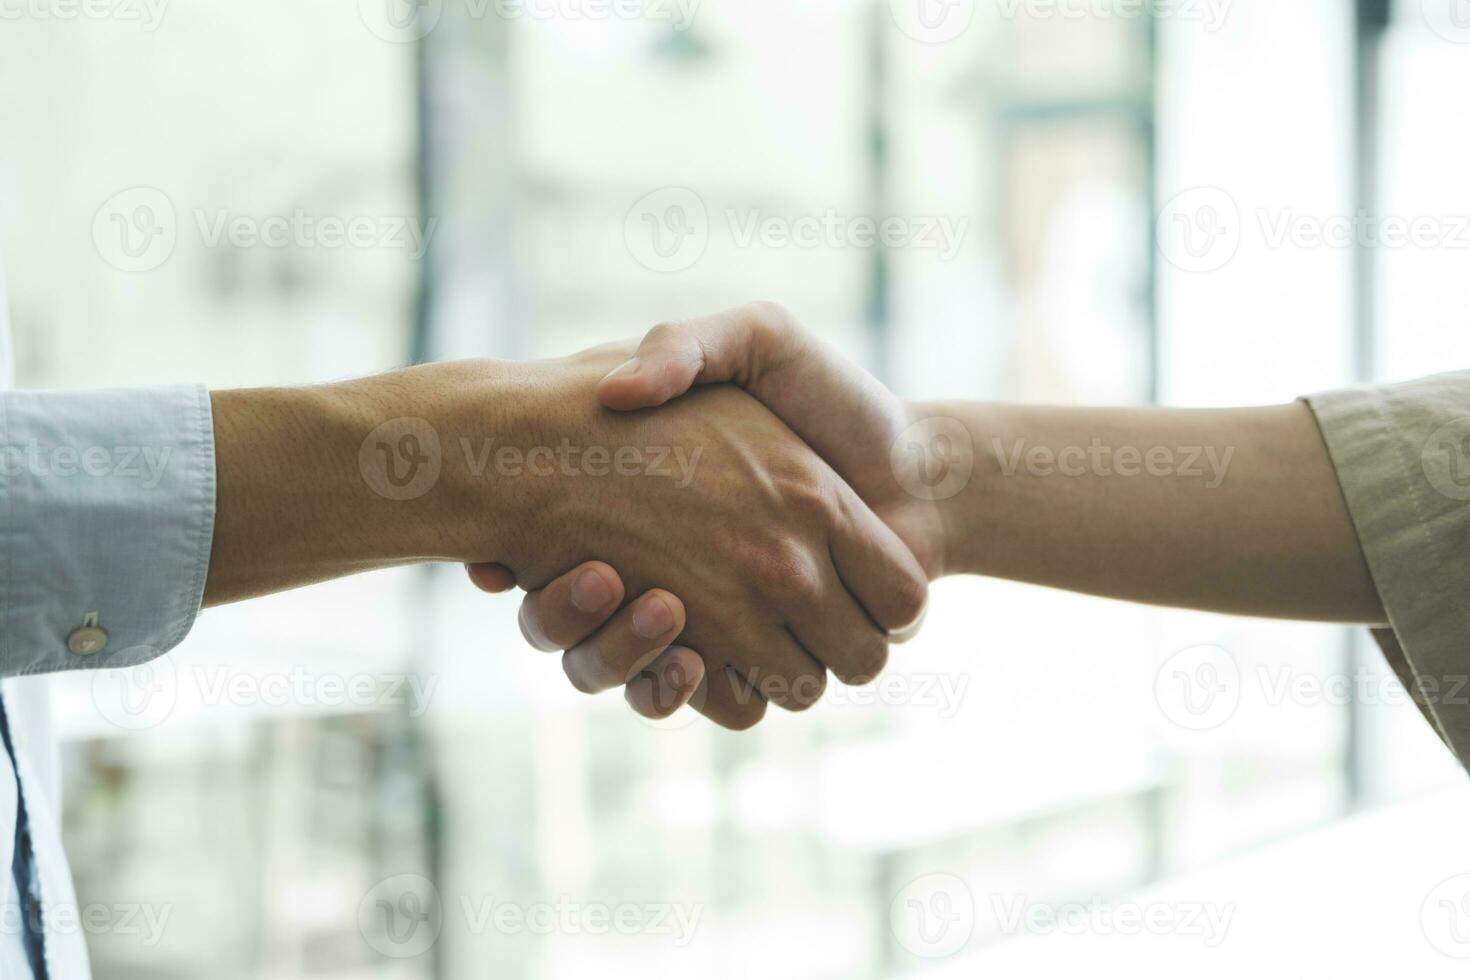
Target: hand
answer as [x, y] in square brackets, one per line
[840, 410]
[582, 613]
[837, 408]
[785, 572]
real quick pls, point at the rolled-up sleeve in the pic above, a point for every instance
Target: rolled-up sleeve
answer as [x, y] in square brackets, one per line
[107, 502]
[1402, 454]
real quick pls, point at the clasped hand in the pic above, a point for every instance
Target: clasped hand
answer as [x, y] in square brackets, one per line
[791, 552]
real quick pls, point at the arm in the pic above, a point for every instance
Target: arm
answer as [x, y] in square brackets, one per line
[783, 569]
[1240, 512]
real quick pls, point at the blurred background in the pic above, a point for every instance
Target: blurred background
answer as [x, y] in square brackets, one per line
[1187, 201]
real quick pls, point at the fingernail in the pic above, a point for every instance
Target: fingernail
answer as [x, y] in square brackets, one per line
[653, 618]
[628, 367]
[590, 592]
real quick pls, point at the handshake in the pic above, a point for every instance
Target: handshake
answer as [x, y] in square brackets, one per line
[728, 513]
[761, 523]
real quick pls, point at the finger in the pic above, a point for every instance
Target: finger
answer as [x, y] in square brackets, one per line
[835, 406]
[840, 633]
[490, 577]
[667, 684]
[726, 698]
[629, 642]
[571, 607]
[876, 567]
[735, 345]
[780, 668]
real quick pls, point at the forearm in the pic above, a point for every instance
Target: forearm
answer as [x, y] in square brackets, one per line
[304, 491]
[1233, 510]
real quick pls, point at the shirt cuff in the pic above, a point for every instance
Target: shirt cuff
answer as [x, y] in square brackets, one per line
[1400, 455]
[107, 503]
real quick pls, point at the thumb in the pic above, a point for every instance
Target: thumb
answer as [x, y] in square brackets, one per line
[738, 346]
[665, 366]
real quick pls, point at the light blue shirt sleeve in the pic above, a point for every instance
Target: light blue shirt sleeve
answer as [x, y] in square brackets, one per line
[107, 503]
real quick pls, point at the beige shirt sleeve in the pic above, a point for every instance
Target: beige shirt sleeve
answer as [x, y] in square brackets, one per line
[1402, 454]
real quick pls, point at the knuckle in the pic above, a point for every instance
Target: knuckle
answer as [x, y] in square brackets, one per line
[868, 661]
[785, 568]
[769, 314]
[910, 597]
[664, 334]
[805, 692]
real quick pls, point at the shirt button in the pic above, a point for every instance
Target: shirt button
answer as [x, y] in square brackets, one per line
[87, 641]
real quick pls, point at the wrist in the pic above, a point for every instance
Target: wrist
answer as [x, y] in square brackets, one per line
[948, 474]
[442, 441]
